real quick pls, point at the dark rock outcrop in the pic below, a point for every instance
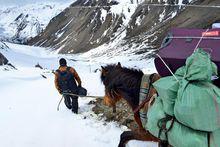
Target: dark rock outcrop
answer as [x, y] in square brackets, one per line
[3, 60]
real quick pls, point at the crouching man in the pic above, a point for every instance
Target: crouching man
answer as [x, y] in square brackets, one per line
[65, 82]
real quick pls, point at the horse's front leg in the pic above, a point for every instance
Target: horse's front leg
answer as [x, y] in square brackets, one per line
[163, 144]
[125, 137]
[131, 135]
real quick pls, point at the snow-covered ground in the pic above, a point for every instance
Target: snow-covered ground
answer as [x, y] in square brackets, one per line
[28, 115]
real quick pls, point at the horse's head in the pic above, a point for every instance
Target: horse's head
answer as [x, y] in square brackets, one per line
[107, 70]
[111, 96]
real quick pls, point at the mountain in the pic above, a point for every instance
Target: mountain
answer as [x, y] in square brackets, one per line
[122, 26]
[20, 23]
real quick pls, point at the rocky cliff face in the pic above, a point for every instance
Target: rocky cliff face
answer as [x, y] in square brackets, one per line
[117, 26]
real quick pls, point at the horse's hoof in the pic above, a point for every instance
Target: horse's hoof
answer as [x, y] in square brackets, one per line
[124, 138]
[163, 144]
[121, 145]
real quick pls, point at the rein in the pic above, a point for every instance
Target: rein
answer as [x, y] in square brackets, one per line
[91, 96]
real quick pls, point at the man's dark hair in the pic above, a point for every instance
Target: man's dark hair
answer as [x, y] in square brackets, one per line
[62, 62]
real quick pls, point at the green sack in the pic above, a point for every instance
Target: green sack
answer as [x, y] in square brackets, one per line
[198, 105]
[198, 100]
[154, 114]
[199, 67]
[175, 135]
[215, 138]
[167, 88]
[182, 136]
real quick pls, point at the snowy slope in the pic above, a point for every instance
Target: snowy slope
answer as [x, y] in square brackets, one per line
[19, 23]
[28, 102]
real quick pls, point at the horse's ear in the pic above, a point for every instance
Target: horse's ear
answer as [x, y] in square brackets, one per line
[104, 69]
[119, 64]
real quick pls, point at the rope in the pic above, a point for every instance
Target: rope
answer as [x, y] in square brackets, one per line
[167, 67]
[200, 40]
[59, 103]
[194, 51]
[91, 96]
[100, 97]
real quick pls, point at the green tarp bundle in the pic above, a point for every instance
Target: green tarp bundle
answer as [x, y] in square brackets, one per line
[198, 67]
[197, 105]
[198, 101]
[155, 113]
[193, 100]
[167, 87]
[215, 138]
[179, 135]
[191, 97]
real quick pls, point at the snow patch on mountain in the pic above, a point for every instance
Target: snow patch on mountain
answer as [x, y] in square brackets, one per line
[3, 46]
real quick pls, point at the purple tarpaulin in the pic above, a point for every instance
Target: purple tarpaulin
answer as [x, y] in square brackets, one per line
[180, 44]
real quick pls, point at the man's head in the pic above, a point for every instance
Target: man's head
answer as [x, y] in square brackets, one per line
[62, 62]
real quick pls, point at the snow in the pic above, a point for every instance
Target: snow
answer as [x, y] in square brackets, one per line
[103, 15]
[28, 101]
[59, 34]
[124, 8]
[3, 46]
[29, 117]
[162, 15]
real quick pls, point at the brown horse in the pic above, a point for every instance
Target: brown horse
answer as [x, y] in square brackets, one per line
[121, 82]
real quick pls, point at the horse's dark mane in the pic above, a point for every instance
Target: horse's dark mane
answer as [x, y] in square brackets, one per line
[113, 67]
[126, 80]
